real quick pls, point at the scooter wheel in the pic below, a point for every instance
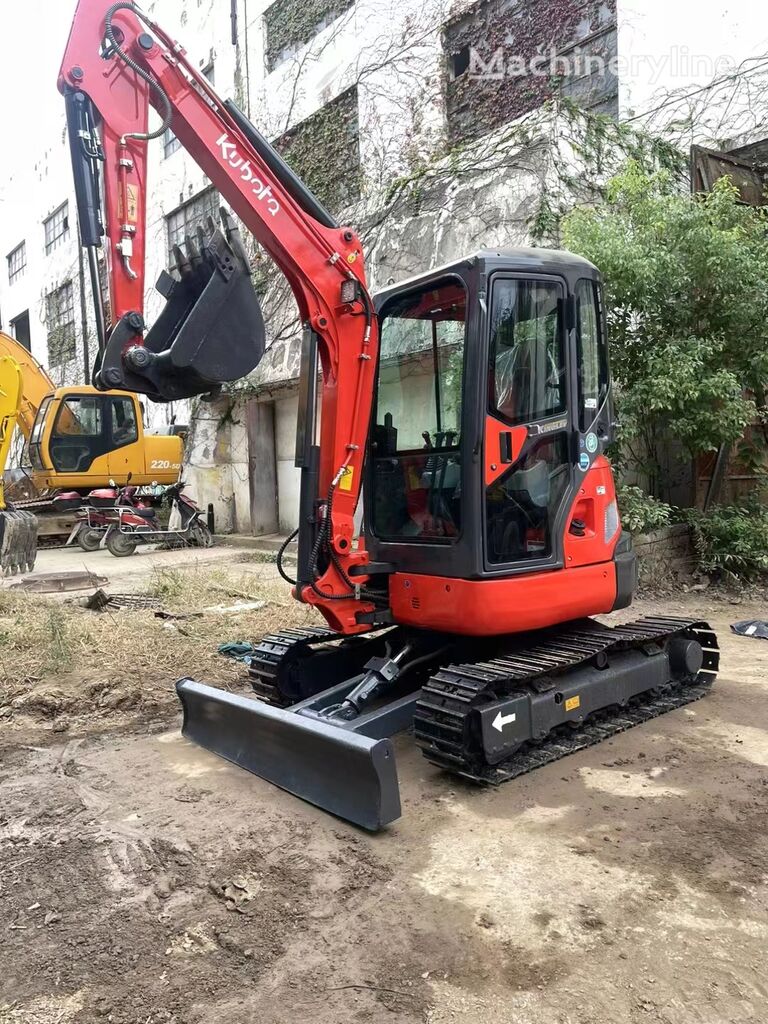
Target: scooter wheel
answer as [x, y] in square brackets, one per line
[89, 539]
[121, 544]
[200, 536]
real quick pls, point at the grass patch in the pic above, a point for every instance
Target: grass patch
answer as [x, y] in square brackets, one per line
[102, 661]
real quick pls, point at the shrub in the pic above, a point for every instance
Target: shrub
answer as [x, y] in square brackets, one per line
[640, 513]
[731, 541]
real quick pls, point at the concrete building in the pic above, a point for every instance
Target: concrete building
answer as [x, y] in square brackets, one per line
[422, 125]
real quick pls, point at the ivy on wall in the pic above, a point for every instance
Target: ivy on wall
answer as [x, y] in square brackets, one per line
[498, 34]
[324, 150]
[289, 24]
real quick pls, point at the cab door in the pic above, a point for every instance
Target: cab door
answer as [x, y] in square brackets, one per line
[528, 441]
[126, 454]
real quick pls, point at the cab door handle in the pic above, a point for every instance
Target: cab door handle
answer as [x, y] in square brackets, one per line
[505, 446]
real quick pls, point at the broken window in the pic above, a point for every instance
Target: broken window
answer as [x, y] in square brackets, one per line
[56, 227]
[290, 24]
[324, 150]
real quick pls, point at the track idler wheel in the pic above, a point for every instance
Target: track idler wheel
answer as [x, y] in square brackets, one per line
[685, 658]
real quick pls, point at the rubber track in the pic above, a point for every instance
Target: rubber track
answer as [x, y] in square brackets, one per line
[449, 699]
[274, 648]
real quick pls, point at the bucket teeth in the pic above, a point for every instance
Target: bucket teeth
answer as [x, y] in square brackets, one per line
[18, 541]
[211, 328]
[193, 252]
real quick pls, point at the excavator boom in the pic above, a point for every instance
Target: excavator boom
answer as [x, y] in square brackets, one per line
[36, 383]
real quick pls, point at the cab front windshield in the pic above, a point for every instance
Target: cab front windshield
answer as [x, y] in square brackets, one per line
[417, 433]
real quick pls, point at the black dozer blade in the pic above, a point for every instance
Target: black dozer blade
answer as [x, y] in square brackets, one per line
[18, 541]
[350, 775]
[210, 331]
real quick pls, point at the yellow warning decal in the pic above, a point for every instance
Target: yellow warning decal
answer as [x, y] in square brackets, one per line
[345, 484]
[572, 703]
[133, 203]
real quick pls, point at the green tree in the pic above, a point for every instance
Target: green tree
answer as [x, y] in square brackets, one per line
[686, 281]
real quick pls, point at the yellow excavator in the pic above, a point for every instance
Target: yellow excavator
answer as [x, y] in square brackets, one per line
[18, 529]
[77, 438]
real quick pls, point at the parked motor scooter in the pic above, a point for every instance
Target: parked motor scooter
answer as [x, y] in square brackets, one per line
[100, 510]
[132, 526]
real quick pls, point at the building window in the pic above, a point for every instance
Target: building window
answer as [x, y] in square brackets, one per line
[56, 227]
[20, 330]
[170, 143]
[186, 219]
[324, 150]
[60, 323]
[17, 262]
[290, 24]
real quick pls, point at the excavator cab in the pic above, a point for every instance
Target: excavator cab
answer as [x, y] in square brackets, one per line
[81, 435]
[491, 414]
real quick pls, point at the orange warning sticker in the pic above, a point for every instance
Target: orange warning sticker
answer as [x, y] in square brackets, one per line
[572, 703]
[133, 203]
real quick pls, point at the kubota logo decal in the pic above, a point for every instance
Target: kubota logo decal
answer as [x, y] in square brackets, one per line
[230, 156]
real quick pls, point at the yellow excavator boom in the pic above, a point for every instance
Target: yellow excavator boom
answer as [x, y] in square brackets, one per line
[18, 529]
[35, 382]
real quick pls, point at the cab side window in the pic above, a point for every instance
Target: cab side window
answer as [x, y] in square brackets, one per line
[593, 359]
[124, 427]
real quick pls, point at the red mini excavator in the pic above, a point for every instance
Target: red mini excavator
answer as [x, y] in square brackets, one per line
[470, 405]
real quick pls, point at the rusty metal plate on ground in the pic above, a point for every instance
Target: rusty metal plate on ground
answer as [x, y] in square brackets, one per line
[59, 582]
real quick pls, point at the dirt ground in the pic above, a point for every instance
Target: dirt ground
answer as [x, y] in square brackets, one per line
[143, 880]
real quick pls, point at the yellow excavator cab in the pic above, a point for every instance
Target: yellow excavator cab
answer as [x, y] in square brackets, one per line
[82, 437]
[18, 529]
[78, 438]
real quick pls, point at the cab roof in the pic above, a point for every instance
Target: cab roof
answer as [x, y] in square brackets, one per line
[542, 261]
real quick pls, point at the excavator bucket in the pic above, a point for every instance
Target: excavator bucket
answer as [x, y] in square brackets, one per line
[210, 331]
[18, 541]
[353, 776]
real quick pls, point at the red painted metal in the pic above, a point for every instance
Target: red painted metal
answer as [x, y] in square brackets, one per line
[596, 493]
[314, 259]
[494, 429]
[489, 607]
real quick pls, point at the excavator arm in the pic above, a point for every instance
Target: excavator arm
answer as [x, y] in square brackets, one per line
[118, 62]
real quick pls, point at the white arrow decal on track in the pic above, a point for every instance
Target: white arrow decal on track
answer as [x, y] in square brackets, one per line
[501, 720]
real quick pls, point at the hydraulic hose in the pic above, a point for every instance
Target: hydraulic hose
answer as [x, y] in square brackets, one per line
[280, 554]
[167, 112]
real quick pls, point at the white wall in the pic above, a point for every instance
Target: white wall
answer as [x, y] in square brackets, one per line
[390, 51]
[684, 51]
[288, 477]
[30, 194]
